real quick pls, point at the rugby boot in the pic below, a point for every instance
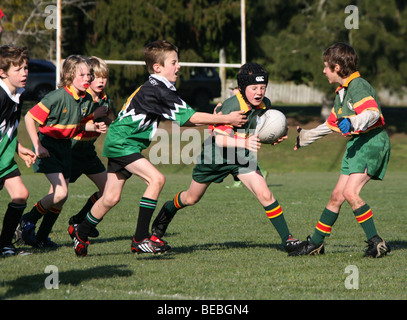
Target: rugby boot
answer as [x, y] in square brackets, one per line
[161, 222]
[80, 246]
[94, 233]
[376, 247]
[308, 248]
[26, 231]
[292, 244]
[8, 250]
[150, 245]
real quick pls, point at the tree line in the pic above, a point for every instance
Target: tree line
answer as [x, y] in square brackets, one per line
[287, 36]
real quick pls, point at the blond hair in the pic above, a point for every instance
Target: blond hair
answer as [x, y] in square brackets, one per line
[156, 52]
[99, 66]
[69, 68]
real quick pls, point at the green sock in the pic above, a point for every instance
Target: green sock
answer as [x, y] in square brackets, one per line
[324, 226]
[276, 217]
[172, 207]
[364, 216]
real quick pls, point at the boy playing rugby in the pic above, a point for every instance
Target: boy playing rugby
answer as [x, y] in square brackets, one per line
[13, 77]
[131, 133]
[59, 115]
[356, 114]
[84, 157]
[233, 151]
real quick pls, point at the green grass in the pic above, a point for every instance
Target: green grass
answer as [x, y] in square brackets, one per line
[223, 248]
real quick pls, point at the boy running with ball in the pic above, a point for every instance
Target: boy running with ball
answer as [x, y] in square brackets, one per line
[233, 151]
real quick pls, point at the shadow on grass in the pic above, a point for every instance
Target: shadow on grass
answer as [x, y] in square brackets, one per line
[398, 245]
[69, 244]
[225, 246]
[32, 284]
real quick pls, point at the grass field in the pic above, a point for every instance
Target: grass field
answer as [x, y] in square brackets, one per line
[225, 247]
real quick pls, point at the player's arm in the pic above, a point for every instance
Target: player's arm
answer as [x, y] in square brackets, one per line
[251, 143]
[31, 128]
[102, 114]
[306, 137]
[364, 120]
[358, 123]
[235, 118]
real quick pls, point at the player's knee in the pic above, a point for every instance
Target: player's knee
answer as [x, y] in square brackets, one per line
[21, 197]
[191, 200]
[265, 196]
[337, 197]
[110, 200]
[349, 195]
[158, 181]
[60, 196]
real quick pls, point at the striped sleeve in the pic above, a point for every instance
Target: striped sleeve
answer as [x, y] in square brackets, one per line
[364, 104]
[39, 113]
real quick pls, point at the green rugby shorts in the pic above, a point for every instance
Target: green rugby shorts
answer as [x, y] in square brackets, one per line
[369, 151]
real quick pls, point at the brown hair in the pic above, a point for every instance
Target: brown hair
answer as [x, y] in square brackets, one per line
[69, 68]
[100, 68]
[343, 55]
[11, 55]
[156, 52]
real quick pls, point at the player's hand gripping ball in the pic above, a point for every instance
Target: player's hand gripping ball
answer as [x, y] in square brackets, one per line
[271, 126]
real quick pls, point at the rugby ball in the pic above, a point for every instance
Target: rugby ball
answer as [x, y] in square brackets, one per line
[271, 126]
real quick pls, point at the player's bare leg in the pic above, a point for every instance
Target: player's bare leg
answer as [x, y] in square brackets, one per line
[255, 182]
[194, 193]
[185, 198]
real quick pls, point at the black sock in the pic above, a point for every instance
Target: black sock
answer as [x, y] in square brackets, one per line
[147, 207]
[36, 213]
[81, 215]
[86, 226]
[10, 222]
[47, 223]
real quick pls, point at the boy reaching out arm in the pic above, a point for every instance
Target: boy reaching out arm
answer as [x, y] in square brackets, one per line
[356, 114]
[131, 133]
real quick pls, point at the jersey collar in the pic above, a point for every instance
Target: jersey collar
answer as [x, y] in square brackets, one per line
[246, 107]
[346, 84]
[165, 81]
[103, 95]
[16, 96]
[73, 93]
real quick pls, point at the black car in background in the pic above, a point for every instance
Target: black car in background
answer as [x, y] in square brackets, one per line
[41, 79]
[198, 86]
